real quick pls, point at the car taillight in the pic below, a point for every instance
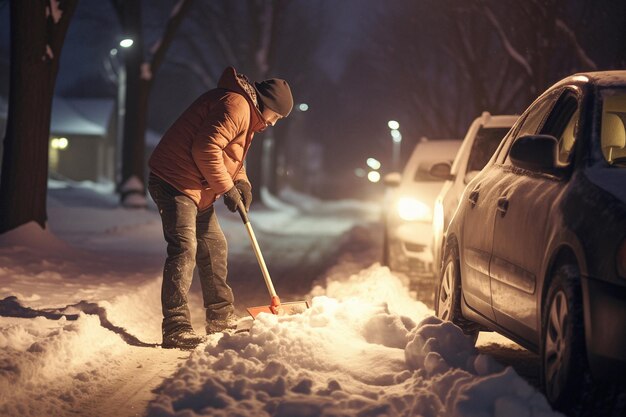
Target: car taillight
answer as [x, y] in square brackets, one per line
[621, 260]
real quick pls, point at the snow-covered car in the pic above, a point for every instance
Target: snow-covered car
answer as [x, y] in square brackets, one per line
[408, 208]
[480, 142]
[537, 247]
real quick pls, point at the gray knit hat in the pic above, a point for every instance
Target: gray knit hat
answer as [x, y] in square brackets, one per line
[275, 94]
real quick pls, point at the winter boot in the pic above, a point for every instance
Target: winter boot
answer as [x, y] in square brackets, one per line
[184, 338]
[229, 323]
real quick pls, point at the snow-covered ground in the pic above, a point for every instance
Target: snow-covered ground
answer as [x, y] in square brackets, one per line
[81, 323]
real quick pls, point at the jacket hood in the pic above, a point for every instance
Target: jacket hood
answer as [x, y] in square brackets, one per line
[239, 83]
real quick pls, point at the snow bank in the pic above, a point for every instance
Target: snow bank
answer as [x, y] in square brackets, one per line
[139, 311]
[360, 352]
[56, 361]
[32, 236]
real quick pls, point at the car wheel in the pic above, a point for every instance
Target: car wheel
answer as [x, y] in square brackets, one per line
[448, 295]
[565, 371]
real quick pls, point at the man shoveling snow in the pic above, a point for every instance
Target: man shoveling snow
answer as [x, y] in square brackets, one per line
[199, 159]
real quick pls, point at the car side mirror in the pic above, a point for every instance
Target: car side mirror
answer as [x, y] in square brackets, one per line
[535, 152]
[441, 170]
[393, 179]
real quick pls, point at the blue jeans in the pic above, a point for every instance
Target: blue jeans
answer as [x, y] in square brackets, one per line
[194, 238]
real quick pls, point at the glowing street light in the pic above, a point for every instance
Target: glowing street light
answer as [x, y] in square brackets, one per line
[396, 138]
[393, 125]
[373, 176]
[303, 107]
[126, 43]
[373, 163]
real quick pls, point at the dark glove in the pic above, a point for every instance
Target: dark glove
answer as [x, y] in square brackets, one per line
[245, 189]
[232, 198]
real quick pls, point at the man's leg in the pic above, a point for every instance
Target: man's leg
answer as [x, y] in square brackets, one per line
[211, 259]
[178, 214]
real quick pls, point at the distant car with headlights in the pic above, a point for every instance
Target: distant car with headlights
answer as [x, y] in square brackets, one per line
[537, 247]
[408, 210]
[480, 142]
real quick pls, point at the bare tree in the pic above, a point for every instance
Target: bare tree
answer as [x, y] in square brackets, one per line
[416, 61]
[140, 74]
[37, 34]
[460, 58]
[261, 39]
[537, 38]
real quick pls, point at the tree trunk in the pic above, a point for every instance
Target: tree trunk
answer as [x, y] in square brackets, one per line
[139, 81]
[37, 33]
[133, 145]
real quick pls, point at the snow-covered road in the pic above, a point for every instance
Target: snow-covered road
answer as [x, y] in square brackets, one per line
[358, 351]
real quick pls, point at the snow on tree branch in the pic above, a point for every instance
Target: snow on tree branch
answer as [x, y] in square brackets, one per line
[176, 9]
[159, 48]
[146, 71]
[54, 10]
[49, 54]
[580, 52]
[155, 46]
[513, 53]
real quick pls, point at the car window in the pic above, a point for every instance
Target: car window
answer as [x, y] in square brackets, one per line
[534, 119]
[613, 130]
[562, 123]
[485, 144]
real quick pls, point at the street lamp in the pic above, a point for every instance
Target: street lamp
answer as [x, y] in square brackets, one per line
[120, 80]
[373, 163]
[373, 176]
[396, 138]
[126, 43]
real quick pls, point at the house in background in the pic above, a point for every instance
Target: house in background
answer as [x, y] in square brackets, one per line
[82, 143]
[82, 139]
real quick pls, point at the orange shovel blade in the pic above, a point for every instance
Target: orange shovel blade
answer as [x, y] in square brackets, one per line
[289, 308]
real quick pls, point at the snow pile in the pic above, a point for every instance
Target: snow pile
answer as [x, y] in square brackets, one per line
[53, 360]
[138, 311]
[358, 353]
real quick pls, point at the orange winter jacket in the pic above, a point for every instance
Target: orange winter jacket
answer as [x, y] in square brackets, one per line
[202, 153]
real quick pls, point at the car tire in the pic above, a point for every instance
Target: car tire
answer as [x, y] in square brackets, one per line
[448, 294]
[565, 374]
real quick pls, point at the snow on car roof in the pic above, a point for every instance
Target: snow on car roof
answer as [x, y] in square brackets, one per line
[599, 78]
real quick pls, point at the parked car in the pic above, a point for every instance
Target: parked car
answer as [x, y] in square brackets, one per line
[537, 247]
[408, 208]
[480, 142]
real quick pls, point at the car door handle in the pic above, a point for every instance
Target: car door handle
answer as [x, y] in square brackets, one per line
[503, 205]
[473, 197]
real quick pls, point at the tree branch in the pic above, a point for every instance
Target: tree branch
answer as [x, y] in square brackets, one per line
[512, 52]
[159, 49]
[580, 52]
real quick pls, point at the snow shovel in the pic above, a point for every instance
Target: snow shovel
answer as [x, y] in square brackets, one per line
[275, 307]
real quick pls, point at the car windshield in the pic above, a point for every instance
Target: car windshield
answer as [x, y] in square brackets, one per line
[485, 144]
[613, 131]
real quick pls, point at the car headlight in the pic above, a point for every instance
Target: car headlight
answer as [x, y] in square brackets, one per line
[621, 260]
[411, 209]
